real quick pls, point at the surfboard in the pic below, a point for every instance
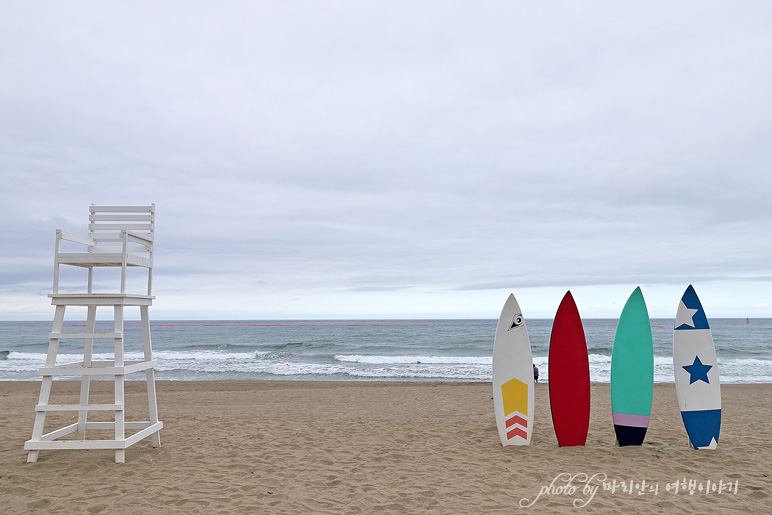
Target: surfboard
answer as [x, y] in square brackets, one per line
[632, 372]
[569, 376]
[513, 387]
[696, 373]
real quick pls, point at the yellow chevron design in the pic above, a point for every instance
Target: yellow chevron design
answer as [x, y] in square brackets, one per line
[515, 396]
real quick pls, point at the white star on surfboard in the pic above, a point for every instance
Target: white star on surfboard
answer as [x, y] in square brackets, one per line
[685, 316]
[713, 444]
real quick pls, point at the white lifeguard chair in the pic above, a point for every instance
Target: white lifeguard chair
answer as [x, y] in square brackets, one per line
[118, 236]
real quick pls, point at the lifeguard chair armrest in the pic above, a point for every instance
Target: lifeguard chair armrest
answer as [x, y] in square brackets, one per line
[139, 238]
[76, 238]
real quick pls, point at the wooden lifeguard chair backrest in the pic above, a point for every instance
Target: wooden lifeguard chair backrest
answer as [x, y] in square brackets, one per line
[107, 222]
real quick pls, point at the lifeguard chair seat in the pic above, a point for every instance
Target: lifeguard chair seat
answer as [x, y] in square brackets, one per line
[118, 236]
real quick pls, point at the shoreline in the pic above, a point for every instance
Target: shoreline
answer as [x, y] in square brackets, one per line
[279, 446]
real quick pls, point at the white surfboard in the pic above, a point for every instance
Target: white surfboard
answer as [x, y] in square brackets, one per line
[513, 387]
[696, 373]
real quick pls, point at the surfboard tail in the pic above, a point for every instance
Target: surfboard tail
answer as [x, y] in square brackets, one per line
[630, 429]
[515, 398]
[630, 435]
[703, 427]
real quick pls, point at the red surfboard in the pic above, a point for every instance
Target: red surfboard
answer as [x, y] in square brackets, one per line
[569, 376]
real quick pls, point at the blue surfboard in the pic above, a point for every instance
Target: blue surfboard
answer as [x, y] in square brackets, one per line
[696, 373]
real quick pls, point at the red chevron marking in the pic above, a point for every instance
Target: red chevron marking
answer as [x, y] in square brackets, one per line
[517, 432]
[517, 419]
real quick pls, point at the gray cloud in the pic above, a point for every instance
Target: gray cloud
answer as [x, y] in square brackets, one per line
[387, 147]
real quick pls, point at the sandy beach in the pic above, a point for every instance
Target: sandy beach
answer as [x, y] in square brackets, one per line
[351, 447]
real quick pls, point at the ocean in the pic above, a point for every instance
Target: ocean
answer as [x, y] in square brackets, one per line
[398, 350]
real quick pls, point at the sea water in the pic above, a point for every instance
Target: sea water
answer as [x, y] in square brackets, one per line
[403, 350]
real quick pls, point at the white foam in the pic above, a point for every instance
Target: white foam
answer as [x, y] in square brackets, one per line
[212, 364]
[426, 360]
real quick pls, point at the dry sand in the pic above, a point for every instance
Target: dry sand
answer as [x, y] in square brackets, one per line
[331, 447]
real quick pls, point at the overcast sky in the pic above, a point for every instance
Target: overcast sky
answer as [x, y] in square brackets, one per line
[396, 159]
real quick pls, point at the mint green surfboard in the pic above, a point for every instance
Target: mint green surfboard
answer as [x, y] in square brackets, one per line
[632, 372]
